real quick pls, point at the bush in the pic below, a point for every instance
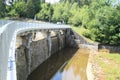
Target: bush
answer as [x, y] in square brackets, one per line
[75, 19]
[2, 8]
[30, 10]
[13, 13]
[87, 34]
[20, 8]
[45, 12]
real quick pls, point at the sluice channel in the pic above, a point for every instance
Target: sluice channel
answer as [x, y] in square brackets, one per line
[67, 64]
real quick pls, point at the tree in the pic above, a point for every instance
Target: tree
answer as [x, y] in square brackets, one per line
[66, 12]
[2, 8]
[30, 10]
[58, 11]
[45, 12]
[20, 8]
[99, 18]
[75, 15]
[104, 26]
[42, 1]
[36, 3]
[61, 12]
[33, 7]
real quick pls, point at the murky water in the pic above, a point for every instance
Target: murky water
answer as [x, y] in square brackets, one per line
[68, 64]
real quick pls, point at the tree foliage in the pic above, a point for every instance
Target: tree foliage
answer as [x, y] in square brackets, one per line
[61, 12]
[45, 12]
[20, 8]
[30, 10]
[2, 8]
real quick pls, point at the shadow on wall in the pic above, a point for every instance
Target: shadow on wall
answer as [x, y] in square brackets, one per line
[109, 48]
[77, 41]
[30, 54]
[47, 69]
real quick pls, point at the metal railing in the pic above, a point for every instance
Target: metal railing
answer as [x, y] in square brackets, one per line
[8, 33]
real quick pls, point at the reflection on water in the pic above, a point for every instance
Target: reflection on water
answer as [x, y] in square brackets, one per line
[75, 68]
[68, 64]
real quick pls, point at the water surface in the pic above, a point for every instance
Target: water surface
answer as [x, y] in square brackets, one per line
[68, 64]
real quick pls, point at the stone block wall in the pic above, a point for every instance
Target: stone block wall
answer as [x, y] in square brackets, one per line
[39, 53]
[63, 44]
[21, 63]
[55, 45]
[30, 56]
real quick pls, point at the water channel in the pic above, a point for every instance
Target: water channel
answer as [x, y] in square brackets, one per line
[68, 64]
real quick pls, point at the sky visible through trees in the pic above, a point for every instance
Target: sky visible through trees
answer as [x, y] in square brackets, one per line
[52, 1]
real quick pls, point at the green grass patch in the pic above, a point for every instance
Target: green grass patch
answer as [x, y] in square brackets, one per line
[110, 64]
[114, 56]
[81, 31]
[5, 18]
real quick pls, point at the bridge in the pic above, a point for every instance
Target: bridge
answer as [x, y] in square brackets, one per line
[30, 44]
[9, 30]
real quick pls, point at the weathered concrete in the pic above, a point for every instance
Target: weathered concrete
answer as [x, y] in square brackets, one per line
[39, 53]
[22, 63]
[75, 40]
[32, 50]
[110, 48]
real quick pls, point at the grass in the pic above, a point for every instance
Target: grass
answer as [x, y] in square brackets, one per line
[110, 64]
[80, 31]
[5, 18]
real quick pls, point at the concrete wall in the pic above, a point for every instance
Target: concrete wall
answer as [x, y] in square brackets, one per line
[21, 63]
[75, 40]
[32, 49]
[110, 48]
[39, 53]
[79, 41]
[55, 45]
[30, 54]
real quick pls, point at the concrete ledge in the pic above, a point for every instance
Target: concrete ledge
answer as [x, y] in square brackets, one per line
[109, 48]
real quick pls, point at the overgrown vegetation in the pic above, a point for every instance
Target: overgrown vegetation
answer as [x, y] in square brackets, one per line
[110, 65]
[99, 18]
[82, 31]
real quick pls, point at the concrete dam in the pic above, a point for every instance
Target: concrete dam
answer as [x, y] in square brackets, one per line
[25, 46]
